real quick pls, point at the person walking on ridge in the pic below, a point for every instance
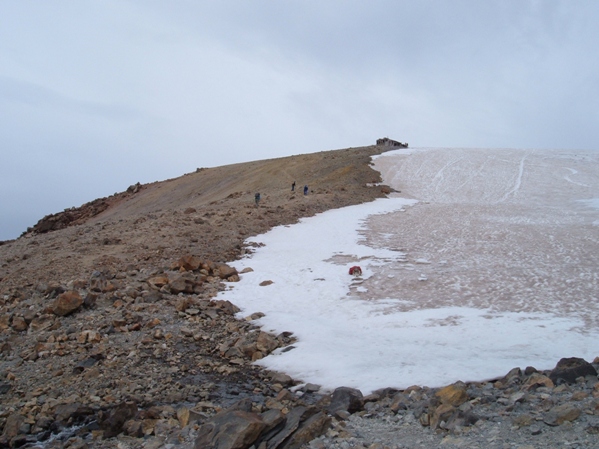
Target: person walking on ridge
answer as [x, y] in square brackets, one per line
[305, 190]
[293, 187]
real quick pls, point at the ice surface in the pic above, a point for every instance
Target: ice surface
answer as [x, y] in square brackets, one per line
[486, 260]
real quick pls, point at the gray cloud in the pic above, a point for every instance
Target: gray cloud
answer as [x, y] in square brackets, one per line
[95, 97]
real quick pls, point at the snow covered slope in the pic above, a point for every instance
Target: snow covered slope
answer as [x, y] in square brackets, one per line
[486, 260]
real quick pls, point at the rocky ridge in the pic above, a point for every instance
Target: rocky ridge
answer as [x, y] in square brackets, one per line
[111, 334]
[109, 327]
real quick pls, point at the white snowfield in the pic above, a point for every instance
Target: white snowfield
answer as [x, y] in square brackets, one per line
[488, 259]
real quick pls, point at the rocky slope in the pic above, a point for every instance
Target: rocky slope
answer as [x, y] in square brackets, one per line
[112, 303]
[111, 336]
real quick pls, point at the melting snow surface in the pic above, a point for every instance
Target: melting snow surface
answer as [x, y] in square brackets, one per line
[491, 264]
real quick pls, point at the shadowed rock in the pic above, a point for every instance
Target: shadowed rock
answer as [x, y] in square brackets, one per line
[112, 425]
[294, 418]
[312, 428]
[346, 399]
[569, 369]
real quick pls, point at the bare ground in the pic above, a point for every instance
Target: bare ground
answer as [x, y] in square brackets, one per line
[134, 343]
[208, 213]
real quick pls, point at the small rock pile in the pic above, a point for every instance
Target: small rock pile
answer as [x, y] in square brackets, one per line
[141, 353]
[525, 409]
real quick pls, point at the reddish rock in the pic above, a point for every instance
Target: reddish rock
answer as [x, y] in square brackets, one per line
[185, 283]
[158, 282]
[4, 322]
[454, 395]
[266, 343]
[188, 263]
[18, 324]
[67, 303]
[224, 271]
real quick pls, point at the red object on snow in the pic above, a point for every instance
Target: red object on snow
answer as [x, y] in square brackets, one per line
[355, 271]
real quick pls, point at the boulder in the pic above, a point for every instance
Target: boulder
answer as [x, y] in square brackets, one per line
[67, 303]
[4, 322]
[42, 322]
[226, 306]
[461, 419]
[568, 370]
[113, 423]
[345, 398]
[188, 263]
[295, 416]
[312, 428]
[224, 271]
[282, 378]
[18, 324]
[185, 283]
[454, 394]
[11, 427]
[72, 413]
[244, 405]
[97, 282]
[133, 428]
[29, 315]
[441, 415]
[158, 282]
[538, 380]
[266, 343]
[561, 414]
[274, 421]
[234, 429]
[84, 364]
[183, 416]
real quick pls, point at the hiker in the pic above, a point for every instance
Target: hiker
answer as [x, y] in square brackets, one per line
[305, 190]
[293, 187]
[257, 198]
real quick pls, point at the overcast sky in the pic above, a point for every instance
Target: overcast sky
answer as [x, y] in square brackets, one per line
[98, 95]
